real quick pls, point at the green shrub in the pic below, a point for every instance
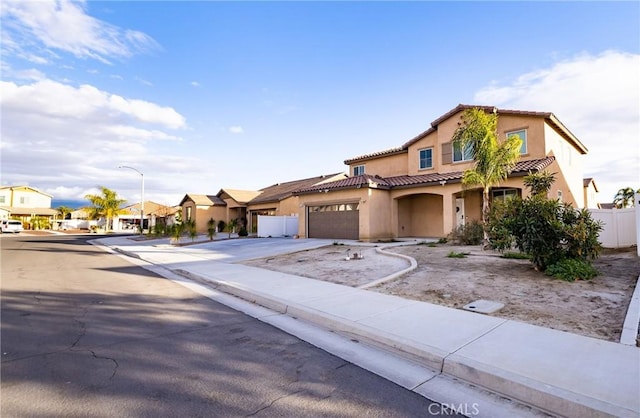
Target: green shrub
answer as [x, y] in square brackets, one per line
[211, 228]
[516, 256]
[222, 226]
[442, 240]
[548, 230]
[243, 232]
[468, 234]
[454, 254]
[571, 270]
[191, 229]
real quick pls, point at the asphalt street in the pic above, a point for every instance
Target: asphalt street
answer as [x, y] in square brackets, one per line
[86, 333]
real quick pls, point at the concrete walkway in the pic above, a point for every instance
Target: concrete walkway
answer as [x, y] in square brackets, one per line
[557, 372]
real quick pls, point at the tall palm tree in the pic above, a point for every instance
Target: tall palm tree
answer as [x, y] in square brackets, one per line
[493, 159]
[624, 198]
[105, 205]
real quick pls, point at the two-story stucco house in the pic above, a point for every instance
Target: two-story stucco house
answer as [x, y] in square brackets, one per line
[415, 190]
[24, 203]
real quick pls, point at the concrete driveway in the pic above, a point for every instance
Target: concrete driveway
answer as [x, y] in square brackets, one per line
[220, 250]
[234, 250]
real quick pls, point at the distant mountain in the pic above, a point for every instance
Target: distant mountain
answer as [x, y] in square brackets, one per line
[73, 204]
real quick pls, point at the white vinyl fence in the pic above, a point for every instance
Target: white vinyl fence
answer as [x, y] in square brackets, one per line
[277, 226]
[619, 226]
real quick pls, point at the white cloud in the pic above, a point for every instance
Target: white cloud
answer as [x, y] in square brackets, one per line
[67, 139]
[597, 97]
[236, 129]
[195, 84]
[64, 25]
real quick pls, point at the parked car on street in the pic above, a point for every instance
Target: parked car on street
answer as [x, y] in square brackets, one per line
[10, 225]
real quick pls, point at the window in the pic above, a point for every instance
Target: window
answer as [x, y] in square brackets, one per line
[24, 200]
[560, 195]
[504, 194]
[426, 158]
[462, 153]
[2, 199]
[358, 170]
[522, 133]
[188, 213]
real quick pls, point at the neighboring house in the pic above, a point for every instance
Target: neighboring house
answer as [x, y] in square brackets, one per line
[279, 200]
[415, 190]
[25, 203]
[246, 205]
[200, 208]
[590, 193]
[154, 213]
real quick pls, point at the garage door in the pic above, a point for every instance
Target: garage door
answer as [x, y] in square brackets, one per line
[334, 221]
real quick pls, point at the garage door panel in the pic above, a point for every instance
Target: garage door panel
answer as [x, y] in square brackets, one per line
[334, 224]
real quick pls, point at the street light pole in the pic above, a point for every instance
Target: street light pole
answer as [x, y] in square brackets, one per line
[141, 196]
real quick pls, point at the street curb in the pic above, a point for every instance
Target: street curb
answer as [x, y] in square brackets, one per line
[528, 391]
[631, 326]
[546, 397]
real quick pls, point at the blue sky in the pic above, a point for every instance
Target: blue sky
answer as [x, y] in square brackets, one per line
[205, 95]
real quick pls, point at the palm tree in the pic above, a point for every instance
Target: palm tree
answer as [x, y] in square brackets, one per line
[493, 159]
[624, 198]
[63, 211]
[105, 205]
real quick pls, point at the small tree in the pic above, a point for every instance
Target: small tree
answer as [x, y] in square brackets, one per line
[539, 183]
[211, 228]
[191, 229]
[546, 229]
[624, 198]
[231, 226]
[177, 230]
[64, 211]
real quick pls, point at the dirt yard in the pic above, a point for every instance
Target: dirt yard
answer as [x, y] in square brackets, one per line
[594, 308]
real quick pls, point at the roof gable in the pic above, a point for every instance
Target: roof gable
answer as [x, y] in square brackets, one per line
[202, 200]
[281, 191]
[25, 188]
[241, 197]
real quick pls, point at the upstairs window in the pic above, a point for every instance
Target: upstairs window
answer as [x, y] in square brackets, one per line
[358, 170]
[522, 133]
[462, 153]
[426, 158]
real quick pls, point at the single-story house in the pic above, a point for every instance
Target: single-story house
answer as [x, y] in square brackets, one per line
[246, 205]
[415, 190]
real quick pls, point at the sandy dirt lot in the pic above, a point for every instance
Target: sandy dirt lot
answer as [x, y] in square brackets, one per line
[594, 308]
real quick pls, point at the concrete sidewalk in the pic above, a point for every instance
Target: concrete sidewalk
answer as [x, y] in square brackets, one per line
[558, 372]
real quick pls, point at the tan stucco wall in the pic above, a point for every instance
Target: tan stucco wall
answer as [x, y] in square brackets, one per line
[590, 197]
[536, 132]
[375, 216]
[420, 216]
[389, 166]
[568, 164]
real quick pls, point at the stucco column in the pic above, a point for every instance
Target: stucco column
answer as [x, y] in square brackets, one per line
[448, 212]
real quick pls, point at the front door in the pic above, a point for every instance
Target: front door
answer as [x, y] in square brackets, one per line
[459, 211]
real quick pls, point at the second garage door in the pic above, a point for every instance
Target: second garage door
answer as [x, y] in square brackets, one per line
[340, 221]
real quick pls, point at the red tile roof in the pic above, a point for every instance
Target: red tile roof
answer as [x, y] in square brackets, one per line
[386, 183]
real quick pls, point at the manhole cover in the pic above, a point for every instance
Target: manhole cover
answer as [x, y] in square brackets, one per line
[484, 306]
